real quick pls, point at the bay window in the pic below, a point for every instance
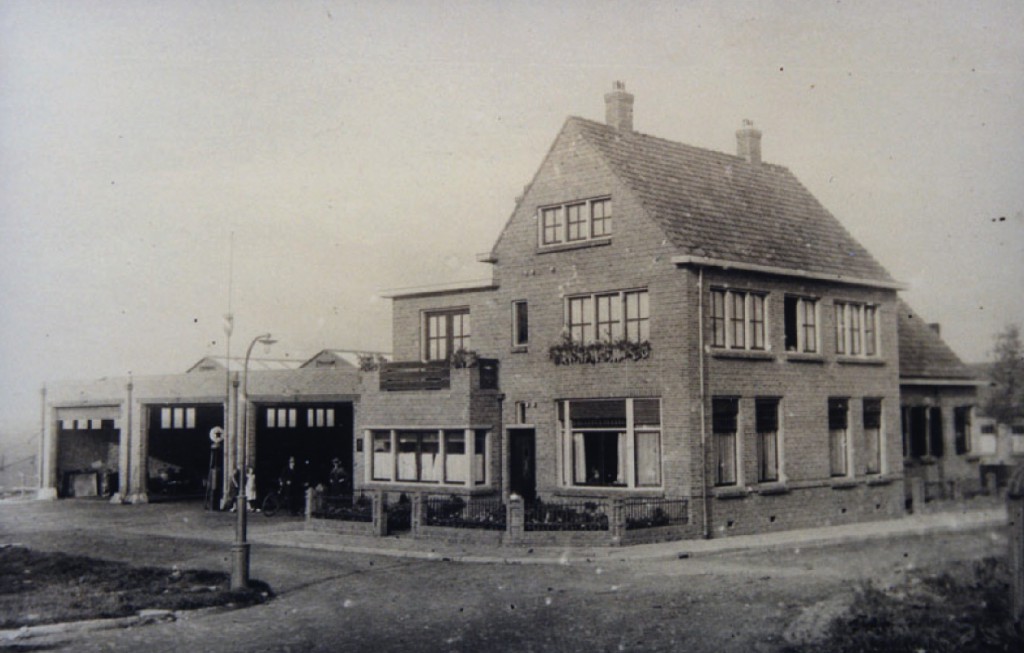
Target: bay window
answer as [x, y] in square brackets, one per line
[436, 456]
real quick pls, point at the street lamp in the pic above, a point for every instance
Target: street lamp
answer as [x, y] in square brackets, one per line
[240, 549]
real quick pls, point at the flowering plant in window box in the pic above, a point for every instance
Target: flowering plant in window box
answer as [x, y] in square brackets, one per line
[572, 352]
[371, 362]
[463, 358]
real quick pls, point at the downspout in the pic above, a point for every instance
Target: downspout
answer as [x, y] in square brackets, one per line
[703, 409]
[41, 461]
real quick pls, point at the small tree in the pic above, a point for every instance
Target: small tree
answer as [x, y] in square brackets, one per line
[1007, 399]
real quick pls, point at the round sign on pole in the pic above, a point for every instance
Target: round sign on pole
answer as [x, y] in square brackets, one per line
[216, 435]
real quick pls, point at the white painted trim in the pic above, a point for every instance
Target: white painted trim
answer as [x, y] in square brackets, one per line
[704, 261]
[439, 289]
[943, 382]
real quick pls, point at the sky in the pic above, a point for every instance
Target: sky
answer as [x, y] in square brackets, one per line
[164, 162]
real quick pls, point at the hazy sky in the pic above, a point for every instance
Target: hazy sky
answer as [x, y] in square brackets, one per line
[353, 147]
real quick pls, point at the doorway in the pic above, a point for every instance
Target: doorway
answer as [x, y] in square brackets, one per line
[522, 464]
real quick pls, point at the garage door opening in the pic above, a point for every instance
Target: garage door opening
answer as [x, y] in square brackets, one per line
[182, 465]
[88, 455]
[314, 434]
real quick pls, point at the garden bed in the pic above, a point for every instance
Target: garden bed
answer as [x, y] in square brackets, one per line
[41, 587]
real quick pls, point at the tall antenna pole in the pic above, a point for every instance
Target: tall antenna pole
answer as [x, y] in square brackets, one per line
[229, 327]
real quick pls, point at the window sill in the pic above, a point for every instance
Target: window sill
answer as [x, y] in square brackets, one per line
[584, 244]
[773, 487]
[855, 360]
[800, 357]
[520, 349]
[431, 488]
[607, 491]
[731, 492]
[743, 354]
[973, 457]
[844, 483]
[876, 479]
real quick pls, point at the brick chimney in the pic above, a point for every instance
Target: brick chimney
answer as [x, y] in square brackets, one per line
[618, 108]
[748, 142]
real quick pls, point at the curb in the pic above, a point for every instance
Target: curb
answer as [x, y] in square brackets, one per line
[930, 524]
[142, 618]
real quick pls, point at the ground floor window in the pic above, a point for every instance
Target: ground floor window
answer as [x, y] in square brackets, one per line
[442, 456]
[838, 430]
[611, 442]
[767, 420]
[922, 432]
[724, 428]
[873, 436]
[962, 429]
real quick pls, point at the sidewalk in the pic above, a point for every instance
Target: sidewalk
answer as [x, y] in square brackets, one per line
[406, 547]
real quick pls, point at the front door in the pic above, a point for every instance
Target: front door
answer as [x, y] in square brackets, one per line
[522, 469]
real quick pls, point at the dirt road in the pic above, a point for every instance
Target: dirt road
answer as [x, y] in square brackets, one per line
[328, 601]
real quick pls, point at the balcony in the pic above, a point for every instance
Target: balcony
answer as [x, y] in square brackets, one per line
[414, 376]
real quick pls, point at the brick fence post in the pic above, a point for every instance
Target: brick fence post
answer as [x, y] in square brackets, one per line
[380, 518]
[516, 519]
[917, 500]
[1015, 518]
[311, 502]
[617, 527]
[417, 516]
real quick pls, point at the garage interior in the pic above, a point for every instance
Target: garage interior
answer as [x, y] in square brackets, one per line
[180, 453]
[314, 433]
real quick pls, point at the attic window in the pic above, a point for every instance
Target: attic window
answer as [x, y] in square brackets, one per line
[575, 222]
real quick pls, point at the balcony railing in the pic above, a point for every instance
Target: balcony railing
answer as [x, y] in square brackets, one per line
[433, 375]
[415, 375]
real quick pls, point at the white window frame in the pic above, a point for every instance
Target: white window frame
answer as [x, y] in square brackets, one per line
[780, 449]
[473, 477]
[631, 430]
[882, 465]
[848, 456]
[585, 330]
[557, 232]
[737, 452]
[728, 298]
[856, 329]
[803, 346]
[520, 308]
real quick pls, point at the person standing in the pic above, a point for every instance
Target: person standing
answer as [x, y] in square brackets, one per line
[250, 489]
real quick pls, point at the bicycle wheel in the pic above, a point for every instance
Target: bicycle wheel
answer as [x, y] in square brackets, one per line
[271, 504]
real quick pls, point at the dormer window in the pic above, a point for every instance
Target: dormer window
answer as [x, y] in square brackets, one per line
[575, 222]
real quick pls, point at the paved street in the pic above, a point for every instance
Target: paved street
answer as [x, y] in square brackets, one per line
[355, 601]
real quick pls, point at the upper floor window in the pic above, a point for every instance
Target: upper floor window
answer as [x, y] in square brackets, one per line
[575, 222]
[856, 329]
[520, 324]
[609, 317]
[801, 324]
[738, 319]
[445, 332]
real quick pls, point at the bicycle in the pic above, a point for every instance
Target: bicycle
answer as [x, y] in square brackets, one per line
[274, 501]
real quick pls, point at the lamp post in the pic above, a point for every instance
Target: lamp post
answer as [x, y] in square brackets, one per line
[240, 549]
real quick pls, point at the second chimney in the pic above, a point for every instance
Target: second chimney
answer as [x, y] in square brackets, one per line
[618, 108]
[748, 142]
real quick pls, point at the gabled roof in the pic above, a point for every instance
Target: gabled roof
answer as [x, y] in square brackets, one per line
[718, 206]
[923, 353]
[219, 364]
[341, 358]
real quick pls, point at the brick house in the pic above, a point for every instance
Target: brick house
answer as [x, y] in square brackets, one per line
[942, 447]
[662, 321]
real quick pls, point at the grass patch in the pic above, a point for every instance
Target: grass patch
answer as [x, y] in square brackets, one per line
[38, 588]
[964, 609]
